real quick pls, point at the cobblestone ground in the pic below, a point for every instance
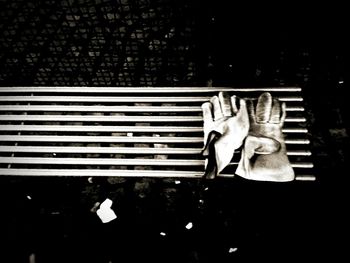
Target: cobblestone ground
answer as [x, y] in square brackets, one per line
[54, 219]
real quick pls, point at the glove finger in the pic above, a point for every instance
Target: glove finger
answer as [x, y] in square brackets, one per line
[242, 114]
[263, 108]
[216, 108]
[276, 111]
[251, 111]
[208, 117]
[262, 145]
[225, 102]
[234, 104]
[284, 113]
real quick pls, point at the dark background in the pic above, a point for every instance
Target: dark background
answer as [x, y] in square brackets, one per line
[180, 43]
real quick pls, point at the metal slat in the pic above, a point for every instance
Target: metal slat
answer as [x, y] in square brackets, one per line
[154, 129]
[110, 139]
[100, 118]
[117, 161]
[294, 130]
[65, 108]
[299, 153]
[128, 99]
[122, 150]
[297, 141]
[92, 118]
[305, 165]
[101, 161]
[121, 173]
[115, 139]
[78, 128]
[156, 90]
[100, 172]
[307, 177]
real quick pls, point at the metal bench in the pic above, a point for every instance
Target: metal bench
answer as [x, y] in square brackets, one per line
[124, 131]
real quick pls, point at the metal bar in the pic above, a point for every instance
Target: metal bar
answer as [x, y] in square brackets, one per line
[110, 139]
[122, 150]
[294, 108]
[115, 139]
[98, 99]
[89, 118]
[120, 173]
[299, 153]
[80, 128]
[307, 177]
[297, 141]
[306, 165]
[101, 118]
[101, 161]
[117, 161]
[65, 108]
[100, 172]
[294, 130]
[145, 89]
[139, 109]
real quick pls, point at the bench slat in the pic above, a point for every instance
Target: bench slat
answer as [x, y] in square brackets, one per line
[80, 128]
[101, 118]
[100, 172]
[89, 118]
[101, 161]
[116, 139]
[51, 108]
[138, 90]
[120, 161]
[111, 139]
[121, 150]
[128, 99]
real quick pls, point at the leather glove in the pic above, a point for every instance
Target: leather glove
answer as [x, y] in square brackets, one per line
[264, 155]
[225, 127]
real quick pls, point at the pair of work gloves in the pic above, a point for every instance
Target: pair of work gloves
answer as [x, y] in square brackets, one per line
[230, 122]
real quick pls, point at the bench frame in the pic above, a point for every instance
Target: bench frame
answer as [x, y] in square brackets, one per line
[39, 121]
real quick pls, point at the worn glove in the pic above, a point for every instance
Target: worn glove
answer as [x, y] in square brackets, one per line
[225, 127]
[264, 155]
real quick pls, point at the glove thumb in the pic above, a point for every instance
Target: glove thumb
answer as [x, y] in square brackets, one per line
[260, 145]
[255, 145]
